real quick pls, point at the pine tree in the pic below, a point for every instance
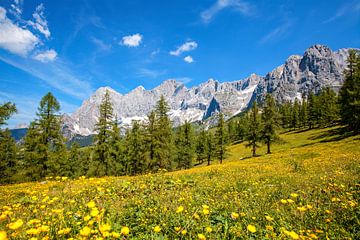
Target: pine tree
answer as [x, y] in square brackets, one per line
[349, 96]
[116, 151]
[150, 139]
[73, 161]
[163, 136]
[135, 150]
[184, 146]
[241, 128]
[312, 110]
[220, 138]
[253, 135]
[200, 148]
[295, 111]
[304, 112]
[8, 148]
[232, 134]
[45, 141]
[210, 147]
[102, 161]
[269, 119]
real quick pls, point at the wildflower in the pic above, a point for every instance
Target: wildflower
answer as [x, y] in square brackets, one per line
[294, 195]
[251, 228]
[180, 209]
[33, 231]
[87, 218]
[104, 228]
[3, 235]
[234, 215]
[290, 201]
[44, 228]
[302, 209]
[283, 201]
[125, 231]
[94, 212]
[91, 204]
[177, 228]
[293, 235]
[208, 229]
[309, 206]
[64, 231]
[157, 229]
[201, 236]
[269, 218]
[115, 235]
[269, 228]
[183, 232]
[85, 231]
[196, 216]
[16, 225]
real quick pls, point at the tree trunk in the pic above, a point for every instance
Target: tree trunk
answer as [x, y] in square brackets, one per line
[268, 147]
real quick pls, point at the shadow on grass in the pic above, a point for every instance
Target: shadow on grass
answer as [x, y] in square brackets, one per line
[333, 135]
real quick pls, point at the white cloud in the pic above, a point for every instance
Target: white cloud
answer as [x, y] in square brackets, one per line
[188, 46]
[188, 59]
[46, 56]
[100, 44]
[239, 5]
[145, 72]
[16, 8]
[132, 40]
[15, 39]
[277, 32]
[40, 23]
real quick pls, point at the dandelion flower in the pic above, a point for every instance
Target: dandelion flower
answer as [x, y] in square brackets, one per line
[86, 231]
[183, 232]
[125, 231]
[16, 225]
[91, 204]
[269, 218]
[293, 235]
[251, 228]
[3, 235]
[234, 215]
[180, 209]
[208, 229]
[157, 229]
[94, 212]
[201, 236]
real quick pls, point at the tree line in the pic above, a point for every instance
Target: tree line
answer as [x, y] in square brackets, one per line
[153, 144]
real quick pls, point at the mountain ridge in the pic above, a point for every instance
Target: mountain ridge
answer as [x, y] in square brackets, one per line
[318, 67]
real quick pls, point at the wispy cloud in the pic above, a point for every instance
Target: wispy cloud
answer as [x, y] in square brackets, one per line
[132, 40]
[46, 56]
[241, 6]
[39, 22]
[102, 46]
[184, 80]
[56, 74]
[277, 32]
[186, 47]
[352, 7]
[150, 73]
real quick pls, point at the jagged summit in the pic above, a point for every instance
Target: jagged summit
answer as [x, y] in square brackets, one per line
[318, 67]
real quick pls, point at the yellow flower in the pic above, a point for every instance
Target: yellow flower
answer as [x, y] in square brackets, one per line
[115, 235]
[283, 201]
[205, 206]
[16, 225]
[125, 231]
[290, 201]
[269, 218]
[177, 228]
[234, 215]
[206, 211]
[269, 228]
[302, 209]
[183, 232]
[44, 228]
[157, 229]
[64, 231]
[294, 195]
[3, 235]
[33, 231]
[91, 204]
[208, 229]
[309, 206]
[201, 236]
[196, 216]
[251, 228]
[104, 228]
[85, 231]
[94, 212]
[180, 209]
[87, 218]
[293, 235]
[2, 217]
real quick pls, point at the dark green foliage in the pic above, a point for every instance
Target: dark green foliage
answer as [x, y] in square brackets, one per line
[6, 110]
[8, 158]
[349, 98]
[135, 150]
[184, 146]
[220, 138]
[201, 146]
[210, 147]
[269, 118]
[295, 114]
[253, 135]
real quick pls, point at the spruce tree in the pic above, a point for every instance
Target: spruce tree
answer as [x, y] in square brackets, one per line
[312, 110]
[253, 135]
[269, 119]
[200, 148]
[349, 96]
[304, 112]
[163, 136]
[184, 146]
[6, 110]
[102, 161]
[295, 114]
[210, 147]
[45, 141]
[151, 139]
[220, 138]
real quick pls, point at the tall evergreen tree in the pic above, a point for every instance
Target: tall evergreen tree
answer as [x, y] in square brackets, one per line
[269, 118]
[184, 146]
[253, 135]
[210, 147]
[151, 139]
[163, 136]
[304, 112]
[45, 141]
[102, 160]
[295, 114]
[200, 148]
[220, 138]
[6, 110]
[312, 110]
[349, 96]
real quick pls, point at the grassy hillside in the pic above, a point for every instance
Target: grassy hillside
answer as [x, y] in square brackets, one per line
[307, 189]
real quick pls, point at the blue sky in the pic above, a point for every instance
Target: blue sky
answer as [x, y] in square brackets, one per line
[73, 47]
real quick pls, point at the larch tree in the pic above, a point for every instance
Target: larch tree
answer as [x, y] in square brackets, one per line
[269, 118]
[253, 135]
[220, 138]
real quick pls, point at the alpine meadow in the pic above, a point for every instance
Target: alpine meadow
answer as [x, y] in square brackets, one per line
[274, 155]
